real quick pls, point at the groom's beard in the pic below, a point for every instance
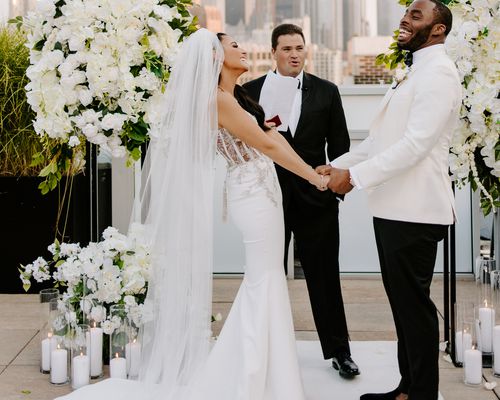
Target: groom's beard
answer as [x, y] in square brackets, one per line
[418, 40]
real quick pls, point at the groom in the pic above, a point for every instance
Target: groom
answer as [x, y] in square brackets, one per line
[403, 165]
[317, 119]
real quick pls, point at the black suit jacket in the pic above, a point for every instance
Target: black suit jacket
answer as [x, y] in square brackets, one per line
[322, 122]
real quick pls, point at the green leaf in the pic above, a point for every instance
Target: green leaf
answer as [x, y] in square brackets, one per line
[136, 154]
[49, 169]
[38, 46]
[44, 187]
[26, 391]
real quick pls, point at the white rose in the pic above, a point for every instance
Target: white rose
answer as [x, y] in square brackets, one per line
[46, 8]
[85, 97]
[113, 121]
[98, 313]
[119, 152]
[90, 130]
[73, 141]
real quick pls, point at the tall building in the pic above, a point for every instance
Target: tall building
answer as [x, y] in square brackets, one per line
[260, 13]
[326, 63]
[235, 11]
[213, 15]
[362, 52]
[289, 9]
[389, 14]
[326, 22]
[360, 18]
[12, 8]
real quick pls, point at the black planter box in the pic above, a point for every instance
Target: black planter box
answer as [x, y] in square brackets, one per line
[27, 220]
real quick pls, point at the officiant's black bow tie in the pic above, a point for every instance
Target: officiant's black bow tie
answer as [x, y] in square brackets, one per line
[408, 59]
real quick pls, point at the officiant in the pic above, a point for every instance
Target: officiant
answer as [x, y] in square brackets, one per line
[308, 112]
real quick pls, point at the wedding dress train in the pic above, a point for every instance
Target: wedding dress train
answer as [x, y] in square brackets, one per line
[255, 356]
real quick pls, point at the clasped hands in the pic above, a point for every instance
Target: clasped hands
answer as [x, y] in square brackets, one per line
[339, 179]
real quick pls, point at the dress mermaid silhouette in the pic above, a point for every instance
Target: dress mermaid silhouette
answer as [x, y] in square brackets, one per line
[254, 357]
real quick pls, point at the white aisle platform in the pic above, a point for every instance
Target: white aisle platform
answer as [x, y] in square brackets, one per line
[376, 360]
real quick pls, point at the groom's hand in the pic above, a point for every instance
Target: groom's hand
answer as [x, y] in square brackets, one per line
[340, 181]
[324, 169]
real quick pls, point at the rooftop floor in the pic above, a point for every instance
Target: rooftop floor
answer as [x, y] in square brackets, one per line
[368, 317]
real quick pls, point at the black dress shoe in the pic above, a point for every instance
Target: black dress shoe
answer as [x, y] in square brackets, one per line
[345, 365]
[381, 396]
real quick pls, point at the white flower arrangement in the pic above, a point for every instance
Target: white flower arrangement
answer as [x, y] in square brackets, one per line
[113, 271]
[97, 68]
[473, 45]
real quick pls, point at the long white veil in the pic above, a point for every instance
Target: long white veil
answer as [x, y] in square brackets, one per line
[176, 207]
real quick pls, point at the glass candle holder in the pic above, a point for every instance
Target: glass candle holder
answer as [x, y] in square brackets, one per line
[485, 321]
[495, 285]
[80, 358]
[464, 311]
[94, 342]
[119, 339]
[473, 359]
[59, 361]
[485, 311]
[133, 352]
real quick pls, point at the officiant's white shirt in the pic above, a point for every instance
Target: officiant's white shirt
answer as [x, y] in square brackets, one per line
[297, 103]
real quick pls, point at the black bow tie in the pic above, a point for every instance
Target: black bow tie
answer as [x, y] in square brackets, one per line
[408, 59]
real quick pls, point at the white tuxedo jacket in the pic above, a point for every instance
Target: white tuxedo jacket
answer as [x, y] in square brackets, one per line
[403, 164]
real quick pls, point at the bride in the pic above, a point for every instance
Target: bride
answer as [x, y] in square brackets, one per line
[254, 358]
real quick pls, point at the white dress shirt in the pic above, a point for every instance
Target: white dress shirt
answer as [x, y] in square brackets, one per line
[297, 103]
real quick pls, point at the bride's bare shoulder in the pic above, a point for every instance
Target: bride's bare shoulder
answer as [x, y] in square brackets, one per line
[227, 106]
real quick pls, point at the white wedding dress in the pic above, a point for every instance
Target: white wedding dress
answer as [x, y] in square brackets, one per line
[254, 357]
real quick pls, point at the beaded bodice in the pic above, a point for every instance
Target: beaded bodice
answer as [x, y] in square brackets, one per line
[234, 150]
[246, 164]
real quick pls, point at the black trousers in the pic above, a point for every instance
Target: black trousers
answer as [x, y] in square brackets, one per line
[407, 253]
[316, 231]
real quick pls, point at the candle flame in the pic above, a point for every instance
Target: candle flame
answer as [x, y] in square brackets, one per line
[95, 324]
[135, 340]
[49, 335]
[485, 303]
[81, 353]
[58, 346]
[116, 355]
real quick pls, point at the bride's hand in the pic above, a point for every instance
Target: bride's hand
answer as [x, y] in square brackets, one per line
[324, 169]
[321, 182]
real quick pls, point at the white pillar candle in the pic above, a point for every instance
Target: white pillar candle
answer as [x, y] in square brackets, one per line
[95, 352]
[118, 368]
[80, 371]
[478, 335]
[466, 341]
[133, 356]
[496, 349]
[59, 366]
[486, 318]
[463, 341]
[48, 344]
[473, 362]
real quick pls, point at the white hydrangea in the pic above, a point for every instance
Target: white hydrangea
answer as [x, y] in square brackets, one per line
[473, 45]
[85, 59]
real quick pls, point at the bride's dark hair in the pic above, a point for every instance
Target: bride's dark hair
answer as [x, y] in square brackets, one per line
[246, 102]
